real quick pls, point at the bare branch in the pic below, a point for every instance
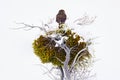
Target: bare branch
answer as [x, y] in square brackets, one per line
[67, 50]
[50, 72]
[85, 20]
[59, 60]
[50, 21]
[71, 71]
[73, 64]
[29, 27]
[73, 47]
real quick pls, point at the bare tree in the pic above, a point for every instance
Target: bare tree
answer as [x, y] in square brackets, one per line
[77, 70]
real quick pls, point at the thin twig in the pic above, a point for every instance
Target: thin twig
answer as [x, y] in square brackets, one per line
[59, 60]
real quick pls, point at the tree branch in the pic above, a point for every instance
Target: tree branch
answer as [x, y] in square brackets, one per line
[85, 20]
[59, 60]
[25, 26]
[74, 62]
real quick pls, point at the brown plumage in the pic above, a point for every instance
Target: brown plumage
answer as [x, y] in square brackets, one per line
[61, 17]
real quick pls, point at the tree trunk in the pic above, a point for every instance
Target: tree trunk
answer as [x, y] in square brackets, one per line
[62, 72]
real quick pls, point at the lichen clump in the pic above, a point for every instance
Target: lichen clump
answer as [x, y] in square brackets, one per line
[45, 48]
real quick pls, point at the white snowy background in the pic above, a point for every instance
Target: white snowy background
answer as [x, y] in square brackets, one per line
[17, 60]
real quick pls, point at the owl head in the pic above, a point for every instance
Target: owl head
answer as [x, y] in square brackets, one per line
[61, 11]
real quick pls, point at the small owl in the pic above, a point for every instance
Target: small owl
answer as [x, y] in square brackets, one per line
[61, 17]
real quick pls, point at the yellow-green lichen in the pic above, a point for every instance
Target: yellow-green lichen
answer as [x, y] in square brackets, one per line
[45, 49]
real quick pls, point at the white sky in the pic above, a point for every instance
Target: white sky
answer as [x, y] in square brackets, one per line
[17, 61]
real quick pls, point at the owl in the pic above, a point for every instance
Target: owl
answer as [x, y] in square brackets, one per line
[61, 17]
